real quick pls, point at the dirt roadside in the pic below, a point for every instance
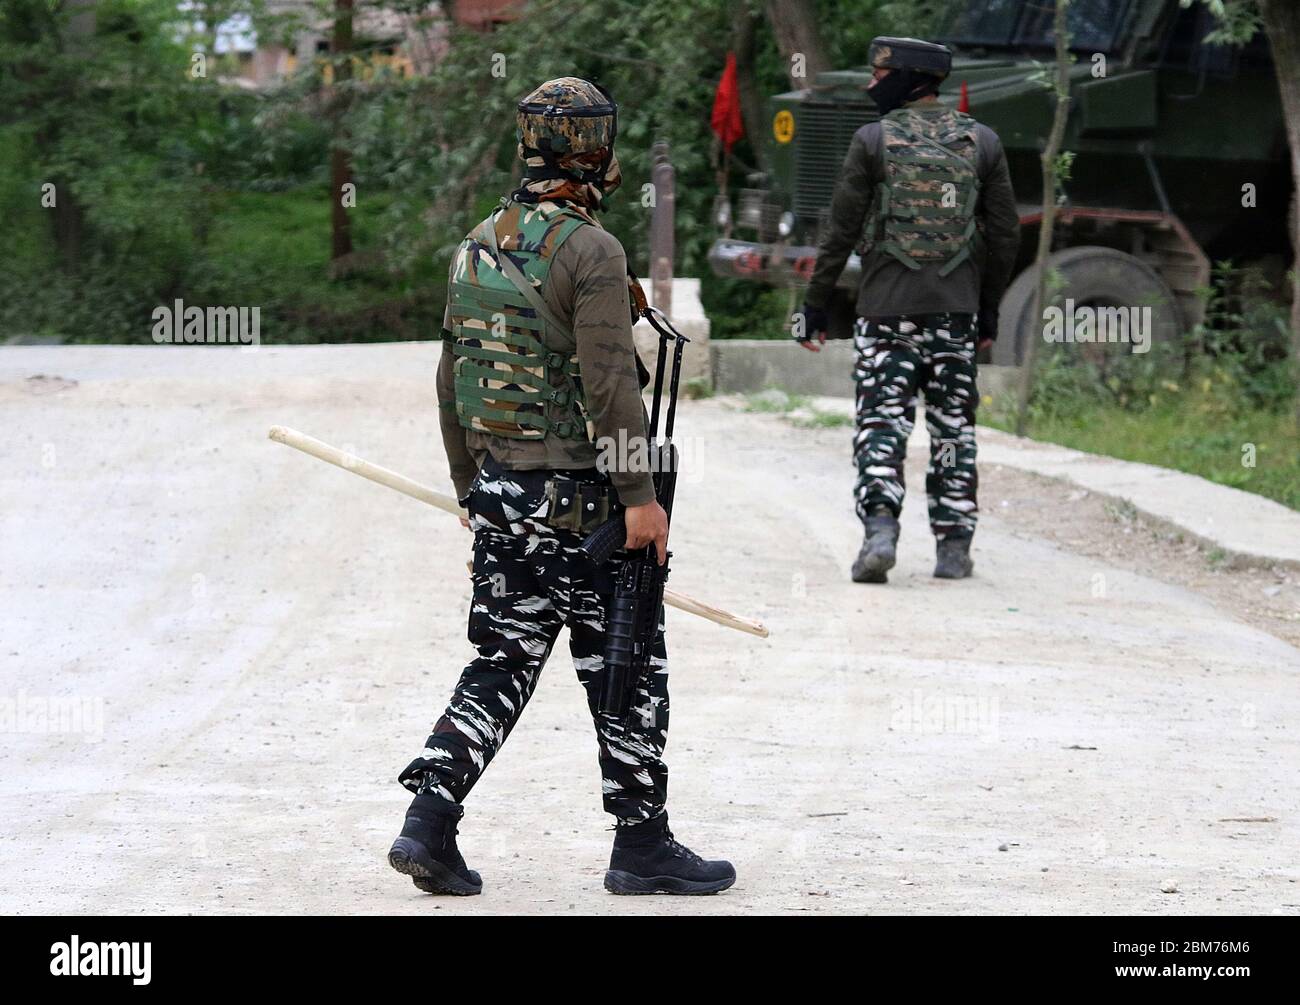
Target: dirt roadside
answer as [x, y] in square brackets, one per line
[1266, 595]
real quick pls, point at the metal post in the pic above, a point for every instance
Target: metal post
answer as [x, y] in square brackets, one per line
[662, 227]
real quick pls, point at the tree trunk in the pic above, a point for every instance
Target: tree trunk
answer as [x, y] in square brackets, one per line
[340, 159]
[744, 24]
[1048, 222]
[211, 19]
[1282, 24]
[69, 215]
[794, 23]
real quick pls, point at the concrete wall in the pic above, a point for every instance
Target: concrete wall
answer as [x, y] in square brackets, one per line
[741, 365]
[752, 364]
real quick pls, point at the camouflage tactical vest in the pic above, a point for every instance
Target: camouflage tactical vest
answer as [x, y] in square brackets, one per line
[514, 377]
[926, 204]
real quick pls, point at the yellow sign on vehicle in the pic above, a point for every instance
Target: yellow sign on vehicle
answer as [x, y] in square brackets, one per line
[783, 126]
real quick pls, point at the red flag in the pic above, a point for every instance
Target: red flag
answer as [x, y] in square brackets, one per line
[964, 104]
[726, 120]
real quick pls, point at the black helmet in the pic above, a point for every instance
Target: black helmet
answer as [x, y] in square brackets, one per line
[888, 53]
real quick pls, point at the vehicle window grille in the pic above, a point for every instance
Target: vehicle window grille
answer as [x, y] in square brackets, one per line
[821, 141]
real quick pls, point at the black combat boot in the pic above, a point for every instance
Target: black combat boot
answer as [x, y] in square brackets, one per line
[954, 558]
[646, 859]
[879, 549]
[427, 851]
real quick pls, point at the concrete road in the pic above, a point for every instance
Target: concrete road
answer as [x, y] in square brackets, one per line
[219, 653]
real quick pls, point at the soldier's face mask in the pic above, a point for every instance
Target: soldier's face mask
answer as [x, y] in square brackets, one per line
[897, 87]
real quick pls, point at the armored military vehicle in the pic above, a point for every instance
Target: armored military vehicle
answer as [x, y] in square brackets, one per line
[1180, 158]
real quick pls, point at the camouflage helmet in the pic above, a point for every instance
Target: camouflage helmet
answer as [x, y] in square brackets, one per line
[567, 115]
[888, 53]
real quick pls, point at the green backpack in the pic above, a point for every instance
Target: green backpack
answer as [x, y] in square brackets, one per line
[511, 380]
[926, 204]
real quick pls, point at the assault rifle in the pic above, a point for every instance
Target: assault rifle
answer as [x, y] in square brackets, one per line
[635, 611]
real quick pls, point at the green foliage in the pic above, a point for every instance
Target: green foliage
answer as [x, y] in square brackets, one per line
[822, 420]
[1240, 352]
[1245, 333]
[741, 309]
[848, 26]
[264, 143]
[174, 186]
[697, 388]
[1238, 20]
[1196, 431]
[272, 250]
[799, 410]
[774, 400]
[444, 144]
[109, 122]
[1064, 166]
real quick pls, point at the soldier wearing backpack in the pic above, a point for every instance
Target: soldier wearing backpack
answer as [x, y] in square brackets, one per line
[927, 190]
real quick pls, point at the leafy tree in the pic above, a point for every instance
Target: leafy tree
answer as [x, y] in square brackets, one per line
[99, 100]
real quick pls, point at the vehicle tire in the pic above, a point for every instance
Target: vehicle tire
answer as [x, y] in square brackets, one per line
[1093, 276]
[1013, 320]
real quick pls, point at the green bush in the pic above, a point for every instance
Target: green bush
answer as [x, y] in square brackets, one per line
[741, 309]
[1224, 411]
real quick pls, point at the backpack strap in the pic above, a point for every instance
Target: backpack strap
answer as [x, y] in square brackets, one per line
[518, 280]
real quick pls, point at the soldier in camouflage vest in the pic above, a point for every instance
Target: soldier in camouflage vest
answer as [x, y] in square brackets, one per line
[538, 372]
[926, 198]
